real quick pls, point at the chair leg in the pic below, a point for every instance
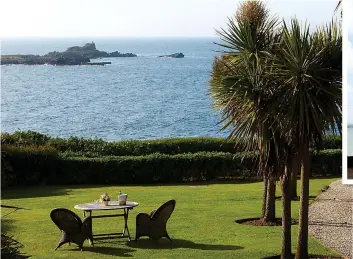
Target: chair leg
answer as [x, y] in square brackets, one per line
[137, 235]
[60, 244]
[168, 237]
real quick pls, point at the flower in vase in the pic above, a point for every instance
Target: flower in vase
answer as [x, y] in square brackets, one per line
[104, 197]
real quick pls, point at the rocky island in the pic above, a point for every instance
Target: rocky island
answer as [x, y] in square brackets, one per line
[75, 55]
[175, 55]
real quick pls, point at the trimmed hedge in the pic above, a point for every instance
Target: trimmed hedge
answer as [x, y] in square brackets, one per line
[332, 142]
[155, 168]
[75, 146]
[28, 165]
[45, 166]
[327, 163]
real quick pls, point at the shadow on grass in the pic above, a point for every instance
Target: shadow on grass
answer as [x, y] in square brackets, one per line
[178, 243]
[33, 192]
[7, 225]
[11, 248]
[116, 251]
[297, 198]
[60, 190]
[310, 257]
[22, 192]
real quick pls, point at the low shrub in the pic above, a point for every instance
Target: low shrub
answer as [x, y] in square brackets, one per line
[20, 138]
[42, 165]
[27, 165]
[332, 142]
[172, 146]
[157, 168]
[327, 163]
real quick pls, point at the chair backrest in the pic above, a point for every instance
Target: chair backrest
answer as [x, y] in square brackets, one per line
[66, 220]
[164, 212]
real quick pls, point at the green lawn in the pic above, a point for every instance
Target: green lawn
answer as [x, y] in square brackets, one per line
[202, 225]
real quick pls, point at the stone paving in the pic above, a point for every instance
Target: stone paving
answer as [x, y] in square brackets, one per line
[331, 218]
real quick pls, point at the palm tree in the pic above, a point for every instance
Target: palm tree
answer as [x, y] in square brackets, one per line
[280, 92]
[242, 90]
[339, 6]
[309, 73]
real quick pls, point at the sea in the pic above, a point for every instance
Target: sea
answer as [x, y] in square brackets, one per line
[132, 98]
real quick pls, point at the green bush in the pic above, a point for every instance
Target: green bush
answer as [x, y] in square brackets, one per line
[98, 147]
[326, 163]
[29, 165]
[157, 168]
[38, 165]
[20, 138]
[332, 142]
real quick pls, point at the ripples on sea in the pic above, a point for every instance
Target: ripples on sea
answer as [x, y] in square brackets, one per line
[133, 98]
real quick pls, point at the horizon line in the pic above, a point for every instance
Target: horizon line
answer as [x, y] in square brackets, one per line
[103, 36]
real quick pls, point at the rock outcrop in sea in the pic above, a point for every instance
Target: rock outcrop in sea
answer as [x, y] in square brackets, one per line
[75, 55]
[175, 55]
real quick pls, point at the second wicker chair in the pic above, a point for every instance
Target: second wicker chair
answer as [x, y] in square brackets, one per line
[155, 225]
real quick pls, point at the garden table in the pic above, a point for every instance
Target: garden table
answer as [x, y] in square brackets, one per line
[113, 205]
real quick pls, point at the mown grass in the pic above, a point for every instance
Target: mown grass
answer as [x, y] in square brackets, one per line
[202, 225]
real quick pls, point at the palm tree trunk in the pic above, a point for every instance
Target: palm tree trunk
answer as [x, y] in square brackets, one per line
[264, 198]
[286, 215]
[294, 174]
[270, 212]
[302, 246]
[294, 194]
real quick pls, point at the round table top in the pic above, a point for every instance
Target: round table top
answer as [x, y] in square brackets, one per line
[112, 205]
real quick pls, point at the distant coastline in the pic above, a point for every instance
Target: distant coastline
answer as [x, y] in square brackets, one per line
[75, 55]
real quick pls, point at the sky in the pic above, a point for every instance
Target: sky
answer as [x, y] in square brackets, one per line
[138, 18]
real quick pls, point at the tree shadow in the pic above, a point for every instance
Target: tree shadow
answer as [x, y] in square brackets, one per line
[115, 251]
[22, 192]
[297, 198]
[178, 243]
[33, 192]
[11, 248]
[310, 257]
[7, 225]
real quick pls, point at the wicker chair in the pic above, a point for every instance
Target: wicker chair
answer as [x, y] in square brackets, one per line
[72, 228]
[155, 225]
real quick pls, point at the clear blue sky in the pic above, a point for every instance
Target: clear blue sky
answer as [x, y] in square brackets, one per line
[138, 18]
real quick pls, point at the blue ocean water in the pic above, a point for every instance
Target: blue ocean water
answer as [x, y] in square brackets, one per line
[133, 98]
